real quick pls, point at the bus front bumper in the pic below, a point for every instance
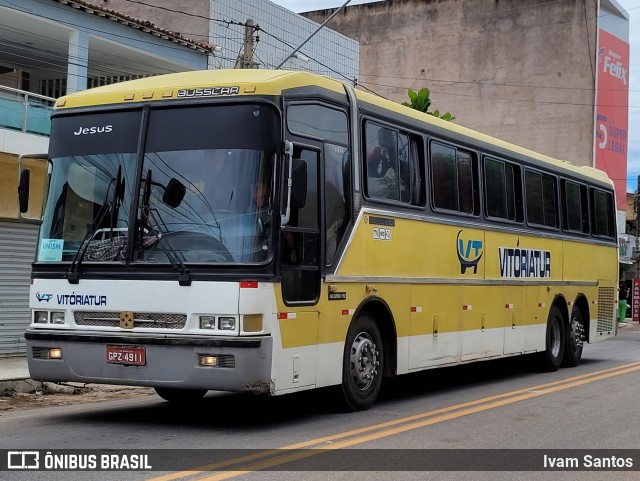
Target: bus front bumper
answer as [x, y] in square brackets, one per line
[170, 361]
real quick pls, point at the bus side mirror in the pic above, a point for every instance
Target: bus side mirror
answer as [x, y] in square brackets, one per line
[299, 184]
[174, 193]
[23, 190]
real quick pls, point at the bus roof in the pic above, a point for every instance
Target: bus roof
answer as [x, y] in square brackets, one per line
[168, 86]
[232, 82]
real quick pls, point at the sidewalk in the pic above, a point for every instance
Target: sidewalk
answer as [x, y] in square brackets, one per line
[14, 376]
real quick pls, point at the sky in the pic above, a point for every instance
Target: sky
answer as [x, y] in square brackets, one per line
[633, 7]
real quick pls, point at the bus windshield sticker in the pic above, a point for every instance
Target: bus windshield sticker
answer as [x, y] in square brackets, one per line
[208, 92]
[51, 250]
[469, 253]
[518, 263]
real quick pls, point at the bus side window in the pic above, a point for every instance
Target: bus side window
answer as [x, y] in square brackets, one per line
[540, 193]
[503, 190]
[575, 207]
[602, 213]
[453, 179]
[392, 165]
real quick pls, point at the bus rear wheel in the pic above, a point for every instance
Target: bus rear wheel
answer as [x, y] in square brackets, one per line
[362, 364]
[180, 396]
[551, 357]
[574, 339]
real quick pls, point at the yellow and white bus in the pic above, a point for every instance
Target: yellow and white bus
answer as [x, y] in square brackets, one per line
[275, 231]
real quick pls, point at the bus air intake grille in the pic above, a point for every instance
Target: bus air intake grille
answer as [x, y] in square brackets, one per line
[226, 360]
[606, 312]
[151, 320]
[40, 352]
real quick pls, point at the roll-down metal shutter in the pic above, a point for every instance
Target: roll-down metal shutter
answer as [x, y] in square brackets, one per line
[17, 252]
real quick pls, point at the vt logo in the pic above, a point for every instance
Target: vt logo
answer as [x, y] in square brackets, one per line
[43, 297]
[469, 253]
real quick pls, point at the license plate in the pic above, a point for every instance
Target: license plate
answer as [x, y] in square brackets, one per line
[127, 355]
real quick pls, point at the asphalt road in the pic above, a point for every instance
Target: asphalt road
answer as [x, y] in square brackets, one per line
[497, 420]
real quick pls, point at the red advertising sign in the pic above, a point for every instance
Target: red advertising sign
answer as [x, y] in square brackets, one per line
[635, 300]
[612, 112]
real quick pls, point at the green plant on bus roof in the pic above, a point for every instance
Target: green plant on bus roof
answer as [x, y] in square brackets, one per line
[422, 101]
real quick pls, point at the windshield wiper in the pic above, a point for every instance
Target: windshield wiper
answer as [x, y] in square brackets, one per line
[73, 274]
[184, 278]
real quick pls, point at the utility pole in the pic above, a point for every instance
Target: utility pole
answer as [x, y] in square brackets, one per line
[245, 59]
[292, 54]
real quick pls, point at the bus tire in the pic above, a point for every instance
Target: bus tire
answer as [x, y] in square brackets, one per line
[551, 357]
[362, 364]
[180, 396]
[574, 339]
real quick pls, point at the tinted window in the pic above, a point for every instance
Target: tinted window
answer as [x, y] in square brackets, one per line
[392, 169]
[541, 199]
[251, 127]
[318, 121]
[336, 188]
[574, 198]
[602, 208]
[95, 134]
[502, 189]
[452, 178]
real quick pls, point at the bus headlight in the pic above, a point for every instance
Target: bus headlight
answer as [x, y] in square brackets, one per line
[41, 317]
[57, 317]
[207, 322]
[227, 323]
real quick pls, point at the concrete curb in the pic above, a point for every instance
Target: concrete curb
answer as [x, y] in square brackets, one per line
[10, 387]
[27, 386]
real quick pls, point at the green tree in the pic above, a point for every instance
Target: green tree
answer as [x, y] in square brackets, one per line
[421, 101]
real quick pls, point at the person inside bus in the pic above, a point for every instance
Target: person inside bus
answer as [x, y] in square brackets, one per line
[261, 208]
[375, 163]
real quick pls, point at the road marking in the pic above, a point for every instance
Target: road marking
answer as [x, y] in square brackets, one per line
[275, 457]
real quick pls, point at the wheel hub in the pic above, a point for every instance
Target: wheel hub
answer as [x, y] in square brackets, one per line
[577, 334]
[364, 361]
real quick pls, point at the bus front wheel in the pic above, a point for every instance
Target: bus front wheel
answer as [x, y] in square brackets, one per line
[180, 396]
[362, 364]
[551, 357]
[574, 339]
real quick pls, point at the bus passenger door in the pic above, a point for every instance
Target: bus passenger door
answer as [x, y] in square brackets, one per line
[299, 256]
[300, 238]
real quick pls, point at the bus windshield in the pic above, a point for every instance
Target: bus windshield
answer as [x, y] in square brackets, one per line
[224, 215]
[204, 194]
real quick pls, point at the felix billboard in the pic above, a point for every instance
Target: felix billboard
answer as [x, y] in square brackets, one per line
[612, 115]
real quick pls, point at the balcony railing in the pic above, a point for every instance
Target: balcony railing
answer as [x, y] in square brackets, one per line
[25, 111]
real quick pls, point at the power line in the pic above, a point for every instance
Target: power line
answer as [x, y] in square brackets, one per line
[323, 65]
[492, 84]
[509, 99]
